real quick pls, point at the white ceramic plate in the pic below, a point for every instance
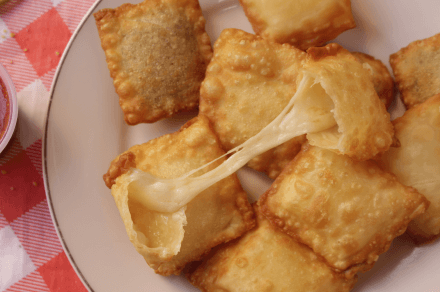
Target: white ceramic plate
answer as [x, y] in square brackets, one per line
[85, 131]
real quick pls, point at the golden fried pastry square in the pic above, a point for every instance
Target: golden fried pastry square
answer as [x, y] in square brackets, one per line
[417, 70]
[168, 241]
[248, 83]
[363, 127]
[302, 23]
[266, 259]
[157, 52]
[416, 162]
[382, 80]
[347, 211]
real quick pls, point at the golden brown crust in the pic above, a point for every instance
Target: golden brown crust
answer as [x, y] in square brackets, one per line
[417, 70]
[122, 164]
[248, 83]
[157, 52]
[265, 259]
[363, 124]
[303, 23]
[382, 80]
[418, 236]
[332, 50]
[218, 214]
[417, 162]
[346, 211]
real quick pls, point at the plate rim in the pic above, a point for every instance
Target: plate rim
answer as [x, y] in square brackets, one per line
[44, 147]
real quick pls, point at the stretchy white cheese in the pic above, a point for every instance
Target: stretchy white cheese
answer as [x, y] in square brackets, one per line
[309, 111]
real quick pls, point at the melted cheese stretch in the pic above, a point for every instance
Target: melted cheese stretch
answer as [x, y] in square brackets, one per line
[310, 110]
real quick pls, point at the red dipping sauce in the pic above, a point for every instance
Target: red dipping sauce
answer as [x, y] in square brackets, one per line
[5, 111]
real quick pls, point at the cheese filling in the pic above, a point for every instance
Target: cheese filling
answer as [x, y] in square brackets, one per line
[310, 110]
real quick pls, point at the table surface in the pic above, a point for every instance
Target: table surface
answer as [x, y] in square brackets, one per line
[33, 36]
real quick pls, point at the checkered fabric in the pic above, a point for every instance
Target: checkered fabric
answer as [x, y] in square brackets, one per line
[33, 36]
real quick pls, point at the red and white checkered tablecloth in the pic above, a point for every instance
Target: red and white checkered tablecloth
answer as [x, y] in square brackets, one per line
[33, 36]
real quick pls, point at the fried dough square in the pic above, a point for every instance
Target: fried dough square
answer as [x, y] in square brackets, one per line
[302, 23]
[266, 259]
[417, 70]
[248, 83]
[157, 52]
[363, 125]
[382, 80]
[218, 214]
[347, 211]
[416, 162]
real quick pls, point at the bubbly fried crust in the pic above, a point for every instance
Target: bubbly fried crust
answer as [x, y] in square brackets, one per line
[346, 211]
[218, 214]
[363, 127]
[266, 259]
[157, 52]
[416, 162]
[248, 83]
[382, 80]
[302, 23]
[417, 70]
[122, 164]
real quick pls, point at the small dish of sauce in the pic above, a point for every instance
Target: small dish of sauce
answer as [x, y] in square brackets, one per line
[8, 108]
[4, 108]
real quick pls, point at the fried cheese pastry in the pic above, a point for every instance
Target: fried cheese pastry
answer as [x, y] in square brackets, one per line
[416, 162]
[248, 83]
[157, 52]
[243, 93]
[347, 211]
[302, 23]
[382, 80]
[363, 125]
[170, 240]
[265, 259]
[417, 70]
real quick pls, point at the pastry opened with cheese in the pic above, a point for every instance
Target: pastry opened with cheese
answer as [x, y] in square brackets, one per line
[169, 240]
[250, 80]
